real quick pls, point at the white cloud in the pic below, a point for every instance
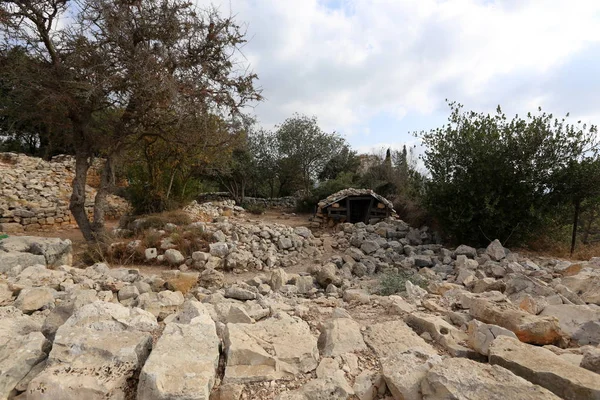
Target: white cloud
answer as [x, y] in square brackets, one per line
[352, 63]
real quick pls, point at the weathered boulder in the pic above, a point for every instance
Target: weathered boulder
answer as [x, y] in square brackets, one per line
[160, 304]
[542, 367]
[174, 257]
[403, 372]
[95, 353]
[275, 348]
[53, 251]
[9, 260]
[183, 362]
[495, 250]
[393, 337]
[464, 250]
[339, 336]
[22, 347]
[442, 332]
[35, 298]
[528, 328]
[581, 323]
[461, 378]
[591, 360]
[238, 293]
[586, 284]
[482, 335]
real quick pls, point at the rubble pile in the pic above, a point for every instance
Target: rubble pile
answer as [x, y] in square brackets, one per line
[34, 194]
[464, 323]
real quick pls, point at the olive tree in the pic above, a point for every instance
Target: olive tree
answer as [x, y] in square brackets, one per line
[115, 73]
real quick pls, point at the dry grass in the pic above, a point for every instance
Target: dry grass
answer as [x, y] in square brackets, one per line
[551, 248]
[158, 221]
[119, 251]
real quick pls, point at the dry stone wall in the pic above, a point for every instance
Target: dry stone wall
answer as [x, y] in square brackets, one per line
[275, 202]
[34, 194]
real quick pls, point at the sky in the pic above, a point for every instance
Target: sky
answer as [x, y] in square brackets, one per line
[376, 71]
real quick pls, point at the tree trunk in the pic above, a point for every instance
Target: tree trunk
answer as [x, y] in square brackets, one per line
[77, 201]
[171, 183]
[100, 204]
[575, 221]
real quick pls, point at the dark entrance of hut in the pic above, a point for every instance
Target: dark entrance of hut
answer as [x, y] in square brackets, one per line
[359, 209]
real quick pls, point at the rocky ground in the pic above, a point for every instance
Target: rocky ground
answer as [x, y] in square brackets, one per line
[270, 311]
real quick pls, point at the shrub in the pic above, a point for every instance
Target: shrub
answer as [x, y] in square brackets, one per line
[255, 208]
[491, 177]
[395, 282]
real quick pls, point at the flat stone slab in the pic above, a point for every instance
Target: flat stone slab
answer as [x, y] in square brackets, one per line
[464, 379]
[183, 363]
[277, 348]
[393, 337]
[544, 368]
[95, 354]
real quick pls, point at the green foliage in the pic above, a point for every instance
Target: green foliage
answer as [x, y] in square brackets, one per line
[492, 177]
[342, 181]
[395, 282]
[254, 208]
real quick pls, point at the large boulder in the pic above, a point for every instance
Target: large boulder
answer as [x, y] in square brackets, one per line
[183, 362]
[495, 250]
[442, 332]
[52, 252]
[393, 337]
[22, 348]
[482, 335]
[542, 367]
[33, 299]
[403, 372]
[461, 378]
[95, 354]
[528, 328]
[581, 323]
[276, 348]
[339, 336]
[586, 284]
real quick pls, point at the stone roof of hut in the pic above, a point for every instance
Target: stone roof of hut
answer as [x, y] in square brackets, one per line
[351, 192]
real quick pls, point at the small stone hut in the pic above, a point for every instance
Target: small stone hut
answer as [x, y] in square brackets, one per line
[353, 205]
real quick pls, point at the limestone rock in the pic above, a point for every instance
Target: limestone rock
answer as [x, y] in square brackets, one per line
[183, 362]
[331, 388]
[394, 337]
[174, 257]
[22, 347]
[461, 378]
[542, 367]
[581, 323]
[528, 328]
[495, 250]
[32, 299]
[276, 348]
[339, 336]
[115, 343]
[591, 360]
[404, 372]
[482, 335]
[442, 332]
[161, 304]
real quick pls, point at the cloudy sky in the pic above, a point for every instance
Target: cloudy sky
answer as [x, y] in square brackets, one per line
[377, 70]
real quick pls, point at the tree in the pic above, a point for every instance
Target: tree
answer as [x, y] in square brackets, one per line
[118, 73]
[577, 182]
[492, 177]
[345, 161]
[306, 146]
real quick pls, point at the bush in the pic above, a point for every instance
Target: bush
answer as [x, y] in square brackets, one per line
[492, 177]
[254, 208]
[395, 282]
